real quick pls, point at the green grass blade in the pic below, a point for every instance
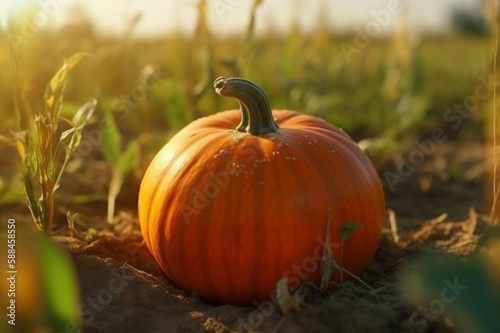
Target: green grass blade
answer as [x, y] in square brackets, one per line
[75, 60]
[111, 137]
[54, 95]
[173, 97]
[120, 171]
[128, 157]
[40, 160]
[71, 138]
[54, 90]
[115, 186]
[32, 191]
[84, 113]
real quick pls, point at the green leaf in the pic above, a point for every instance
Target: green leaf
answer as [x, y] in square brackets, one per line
[491, 236]
[75, 59]
[347, 230]
[40, 160]
[32, 199]
[54, 90]
[54, 95]
[71, 220]
[111, 137]
[69, 109]
[328, 262]
[71, 138]
[120, 171]
[68, 141]
[171, 95]
[84, 113]
[447, 285]
[251, 24]
[128, 157]
[39, 173]
[91, 233]
[115, 186]
[59, 285]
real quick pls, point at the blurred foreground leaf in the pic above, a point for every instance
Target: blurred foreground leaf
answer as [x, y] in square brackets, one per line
[59, 285]
[466, 290]
[46, 289]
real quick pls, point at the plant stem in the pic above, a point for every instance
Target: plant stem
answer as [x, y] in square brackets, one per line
[114, 189]
[257, 117]
[495, 160]
[340, 261]
[357, 278]
[58, 178]
[328, 263]
[48, 207]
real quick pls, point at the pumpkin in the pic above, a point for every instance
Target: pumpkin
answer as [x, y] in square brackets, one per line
[240, 199]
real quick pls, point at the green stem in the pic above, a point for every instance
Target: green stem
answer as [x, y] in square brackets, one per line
[341, 256]
[257, 118]
[48, 208]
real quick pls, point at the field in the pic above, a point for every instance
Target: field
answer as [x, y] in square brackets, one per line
[420, 106]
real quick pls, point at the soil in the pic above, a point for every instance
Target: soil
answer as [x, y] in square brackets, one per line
[439, 206]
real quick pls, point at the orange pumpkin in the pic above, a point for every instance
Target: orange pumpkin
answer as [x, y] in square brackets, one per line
[228, 212]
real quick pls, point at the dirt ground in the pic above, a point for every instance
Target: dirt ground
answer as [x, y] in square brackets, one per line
[439, 206]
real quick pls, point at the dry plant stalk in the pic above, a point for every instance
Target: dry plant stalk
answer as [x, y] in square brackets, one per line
[43, 157]
[492, 11]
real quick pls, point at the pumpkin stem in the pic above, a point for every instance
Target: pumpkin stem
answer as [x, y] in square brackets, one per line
[256, 115]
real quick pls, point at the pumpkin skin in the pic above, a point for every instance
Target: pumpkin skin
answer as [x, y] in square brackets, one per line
[226, 213]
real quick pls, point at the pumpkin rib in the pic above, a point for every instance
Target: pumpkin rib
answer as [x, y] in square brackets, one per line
[204, 226]
[333, 237]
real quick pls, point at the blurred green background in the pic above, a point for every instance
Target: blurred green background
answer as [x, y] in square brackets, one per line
[385, 74]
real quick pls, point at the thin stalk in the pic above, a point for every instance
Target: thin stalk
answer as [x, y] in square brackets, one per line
[340, 261]
[22, 123]
[48, 213]
[495, 159]
[61, 171]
